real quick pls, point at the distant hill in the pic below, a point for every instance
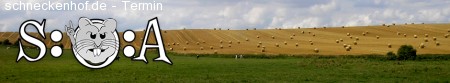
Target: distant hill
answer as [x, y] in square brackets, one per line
[324, 40]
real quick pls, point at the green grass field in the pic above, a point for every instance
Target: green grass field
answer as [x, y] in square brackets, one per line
[222, 69]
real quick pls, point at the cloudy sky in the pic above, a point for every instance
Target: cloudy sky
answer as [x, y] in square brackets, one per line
[241, 14]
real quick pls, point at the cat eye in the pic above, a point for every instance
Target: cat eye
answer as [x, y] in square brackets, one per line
[93, 36]
[103, 35]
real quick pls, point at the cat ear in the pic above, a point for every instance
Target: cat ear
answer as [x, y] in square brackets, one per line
[84, 21]
[110, 25]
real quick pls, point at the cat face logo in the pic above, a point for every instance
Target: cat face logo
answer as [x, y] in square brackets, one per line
[95, 42]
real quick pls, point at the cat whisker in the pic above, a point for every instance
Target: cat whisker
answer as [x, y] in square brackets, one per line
[83, 45]
[110, 45]
[84, 41]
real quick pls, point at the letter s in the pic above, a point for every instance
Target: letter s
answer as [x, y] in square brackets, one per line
[8, 6]
[24, 36]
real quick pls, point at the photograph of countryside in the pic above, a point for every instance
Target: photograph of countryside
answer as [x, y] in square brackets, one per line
[250, 42]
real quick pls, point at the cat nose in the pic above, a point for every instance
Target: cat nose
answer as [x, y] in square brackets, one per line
[98, 43]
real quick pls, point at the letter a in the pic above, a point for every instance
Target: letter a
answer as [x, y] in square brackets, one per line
[153, 25]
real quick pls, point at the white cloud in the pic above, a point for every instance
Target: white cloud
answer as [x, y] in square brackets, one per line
[359, 20]
[2, 27]
[254, 16]
[323, 8]
[241, 14]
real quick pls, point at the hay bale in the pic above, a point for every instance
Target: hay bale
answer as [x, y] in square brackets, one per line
[422, 45]
[201, 48]
[296, 44]
[257, 36]
[364, 34]
[221, 41]
[341, 40]
[415, 36]
[446, 36]
[239, 42]
[292, 37]
[263, 50]
[343, 26]
[378, 37]
[437, 43]
[198, 43]
[404, 35]
[258, 45]
[229, 45]
[273, 37]
[347, 48]
[303, 32]
[356, 38]
[184, 48]
[434, 38]
[389, 45]
[314, 34]
[221, 46]
[230, 42]
[293, 34]
[355, 43]
[398, 33]
[203, 42]
[311, 43]
[215, 51]
[426, 35]
[285, 43]
[211, 47]
[277, 45]
[425, 39]
[348, 34]
[316, 50]
[171, 49]
[337, 41]
[246, 39]
[350, 37]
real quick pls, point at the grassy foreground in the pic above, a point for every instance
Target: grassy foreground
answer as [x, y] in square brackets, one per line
[216, 69]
